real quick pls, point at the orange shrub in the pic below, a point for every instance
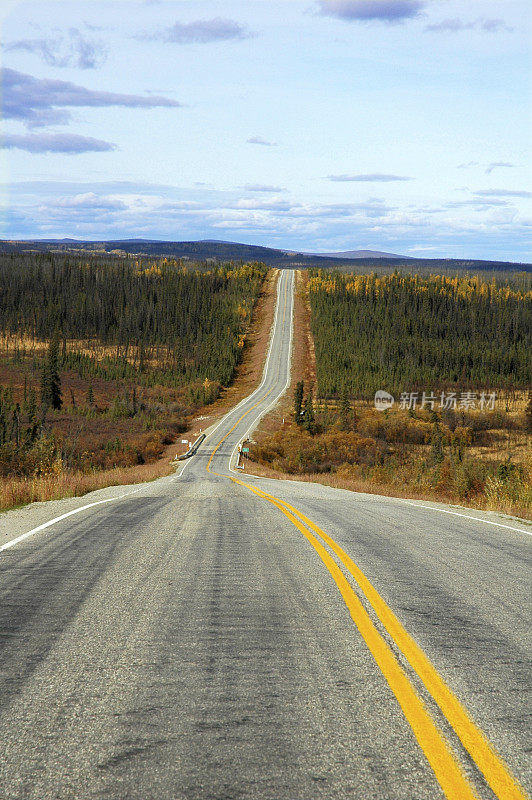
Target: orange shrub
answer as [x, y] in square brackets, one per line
[296, 451]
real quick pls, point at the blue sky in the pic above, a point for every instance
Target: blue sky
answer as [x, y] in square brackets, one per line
[399, 125]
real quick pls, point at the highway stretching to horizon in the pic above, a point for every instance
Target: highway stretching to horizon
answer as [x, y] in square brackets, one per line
[213, 635]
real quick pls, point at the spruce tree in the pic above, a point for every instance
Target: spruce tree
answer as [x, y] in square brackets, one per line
[345, 411]
[308, 414]
[50, 378]
[437, 449]
[30, 407]
[16, 425]
[298, 401]
[46, 394]
[528, 414]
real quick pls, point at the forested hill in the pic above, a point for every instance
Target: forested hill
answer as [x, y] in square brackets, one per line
[234, 251]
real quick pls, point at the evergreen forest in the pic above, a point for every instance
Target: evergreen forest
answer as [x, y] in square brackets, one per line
[405, 332]
[105, 360]
[186, 324]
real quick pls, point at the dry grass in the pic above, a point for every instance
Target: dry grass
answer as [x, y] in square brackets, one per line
[86, 432]
[155, 356]
[16, 492]
[407, 492]
[394, 456]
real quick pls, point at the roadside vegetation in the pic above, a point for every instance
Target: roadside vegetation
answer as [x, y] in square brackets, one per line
[104, 361]
[464, 342]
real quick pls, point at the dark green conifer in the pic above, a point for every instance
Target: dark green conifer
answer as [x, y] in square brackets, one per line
[298, 401]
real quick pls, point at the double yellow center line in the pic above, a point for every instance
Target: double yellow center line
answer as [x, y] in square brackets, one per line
[209, 462]
[208, 467]
[444, 763]
[431, 739]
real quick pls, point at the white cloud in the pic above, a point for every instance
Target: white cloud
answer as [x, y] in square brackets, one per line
[261, 187]
[203, 31]
[71, 49]
[503, 193]
[44, 101]
[128, 210]
[371, 177]
[69, 143]
[371, 10]
[260, 140]
[498, 165]
[457, 25]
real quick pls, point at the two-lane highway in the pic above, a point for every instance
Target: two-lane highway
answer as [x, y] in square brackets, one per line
[221, 448]
[213, 635]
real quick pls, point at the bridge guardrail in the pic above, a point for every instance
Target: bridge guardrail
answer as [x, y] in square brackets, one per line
[192, 450]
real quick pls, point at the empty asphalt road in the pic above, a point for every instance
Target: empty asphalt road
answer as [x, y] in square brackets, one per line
[215, 636]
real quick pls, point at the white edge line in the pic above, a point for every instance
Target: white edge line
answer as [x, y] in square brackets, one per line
[458, 514]
[401, 500]
[42, 527]
[289, 373]
[255, 391]
[276, 398]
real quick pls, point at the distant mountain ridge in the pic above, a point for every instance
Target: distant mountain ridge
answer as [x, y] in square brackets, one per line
[358, 254]
[351, 254]
[222, 251]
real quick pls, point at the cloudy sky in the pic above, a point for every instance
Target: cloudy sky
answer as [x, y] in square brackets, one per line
[399, 125]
